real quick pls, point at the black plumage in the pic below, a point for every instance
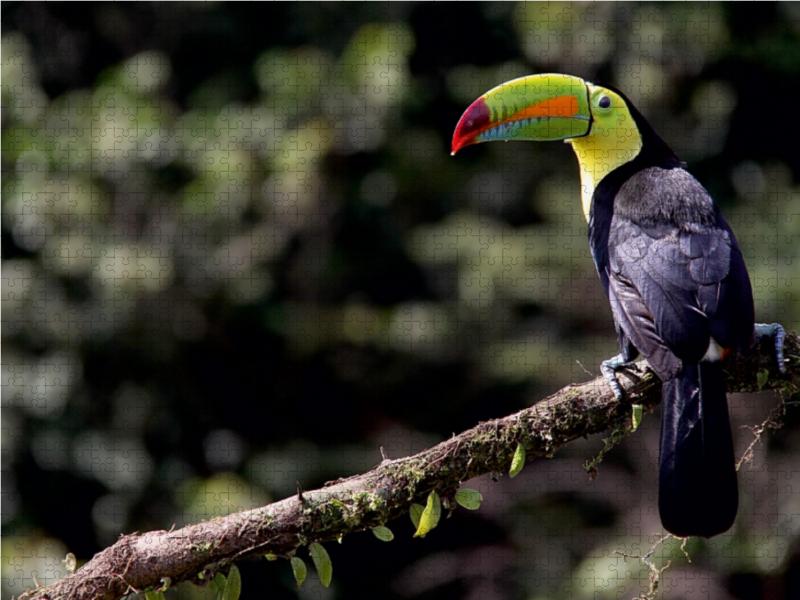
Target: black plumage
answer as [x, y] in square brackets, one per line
[675, 277]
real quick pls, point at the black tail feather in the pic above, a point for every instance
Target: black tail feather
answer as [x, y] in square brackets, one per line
[697, 490]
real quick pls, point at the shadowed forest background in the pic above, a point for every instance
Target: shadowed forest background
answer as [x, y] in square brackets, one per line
[237, 255]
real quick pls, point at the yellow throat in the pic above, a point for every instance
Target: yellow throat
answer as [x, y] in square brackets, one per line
[612, 141]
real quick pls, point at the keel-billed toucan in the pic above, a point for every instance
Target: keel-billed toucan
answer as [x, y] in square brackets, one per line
[670, 266]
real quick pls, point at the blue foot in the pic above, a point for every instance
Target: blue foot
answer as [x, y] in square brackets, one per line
[776, 332]
[609, 368]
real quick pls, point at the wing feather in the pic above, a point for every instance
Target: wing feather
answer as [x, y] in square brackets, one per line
[687, 280]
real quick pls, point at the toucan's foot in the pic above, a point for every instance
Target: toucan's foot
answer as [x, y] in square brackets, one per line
[609, 368]
[776, 332]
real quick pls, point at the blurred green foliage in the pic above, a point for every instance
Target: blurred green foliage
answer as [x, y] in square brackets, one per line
[237, 255]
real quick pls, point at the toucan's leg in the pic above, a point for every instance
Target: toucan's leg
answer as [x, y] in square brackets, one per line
[776, 332]
[609, 367]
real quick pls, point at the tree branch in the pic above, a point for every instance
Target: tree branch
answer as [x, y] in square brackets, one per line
[195, 553]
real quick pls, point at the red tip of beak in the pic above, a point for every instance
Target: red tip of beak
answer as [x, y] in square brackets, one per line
[474, 121]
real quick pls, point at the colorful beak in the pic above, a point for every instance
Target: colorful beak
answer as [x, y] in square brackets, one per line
[538, 107]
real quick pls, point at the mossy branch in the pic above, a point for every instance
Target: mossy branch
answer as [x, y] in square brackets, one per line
[195, 553]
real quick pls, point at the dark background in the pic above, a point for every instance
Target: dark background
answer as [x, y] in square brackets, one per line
[237, 255]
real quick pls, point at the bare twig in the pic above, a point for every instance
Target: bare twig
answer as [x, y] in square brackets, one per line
[585, 370]
[655, 572]
[773, 421]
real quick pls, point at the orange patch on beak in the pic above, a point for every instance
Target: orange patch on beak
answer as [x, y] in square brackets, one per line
[562, 106]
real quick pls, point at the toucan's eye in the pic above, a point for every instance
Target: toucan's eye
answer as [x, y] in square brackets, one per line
[605, 102]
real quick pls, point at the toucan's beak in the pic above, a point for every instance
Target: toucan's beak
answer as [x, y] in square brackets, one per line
[538, 107]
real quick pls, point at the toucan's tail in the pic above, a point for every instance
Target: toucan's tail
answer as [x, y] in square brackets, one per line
[697, 489]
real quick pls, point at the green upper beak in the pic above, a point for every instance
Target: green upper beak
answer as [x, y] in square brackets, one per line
[538, 107]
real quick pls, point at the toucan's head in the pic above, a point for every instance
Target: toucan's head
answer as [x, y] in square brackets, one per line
[597, 121]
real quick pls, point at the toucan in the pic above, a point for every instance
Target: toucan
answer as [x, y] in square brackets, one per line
[670, 266]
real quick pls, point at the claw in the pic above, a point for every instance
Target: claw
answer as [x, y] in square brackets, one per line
[608, 368]
[776, 332]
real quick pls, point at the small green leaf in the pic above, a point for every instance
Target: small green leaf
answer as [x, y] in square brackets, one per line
[384, 534]
[416, 514]
[430, 516]
[219, 583]
[322, 562]
[165, 583]
[154, 595]
[762, 376]
[234, 589]
[636, 417]
[299, 569]
[518, 461]
[469, 498]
